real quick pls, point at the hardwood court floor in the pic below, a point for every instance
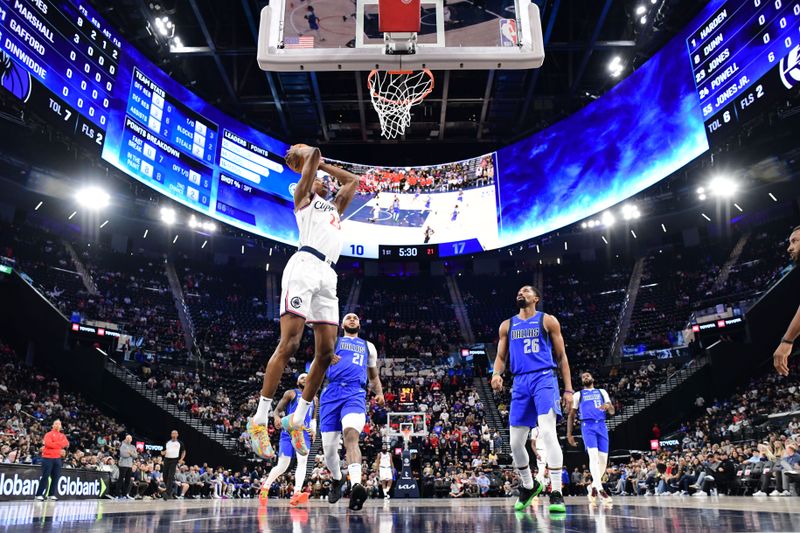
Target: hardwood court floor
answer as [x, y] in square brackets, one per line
[653, 515]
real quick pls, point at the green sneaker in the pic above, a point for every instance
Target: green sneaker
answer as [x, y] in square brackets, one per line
[557, 502]
[526, 496]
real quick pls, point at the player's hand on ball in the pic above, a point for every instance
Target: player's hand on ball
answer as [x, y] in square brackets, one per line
[497, 383]
[379, 399]
[335, 359]
[571, 441]
[781, 358]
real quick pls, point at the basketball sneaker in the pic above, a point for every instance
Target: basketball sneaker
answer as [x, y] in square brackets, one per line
[298, 498]
[358, 496]
[263, 494]
[593, 495]
[335, 493]
[557, 502]
[526, 496]
[297, 433]
[259, 440]
[605, 497]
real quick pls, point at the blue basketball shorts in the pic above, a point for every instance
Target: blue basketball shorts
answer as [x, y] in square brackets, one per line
[286, 449]
[338, 400]
[534, 394]
[595, 435]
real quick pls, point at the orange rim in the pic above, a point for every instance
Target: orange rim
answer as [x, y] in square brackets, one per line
[413, 101]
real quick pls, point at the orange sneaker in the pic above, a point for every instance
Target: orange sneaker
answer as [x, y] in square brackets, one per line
[298, 498]
[263, 495]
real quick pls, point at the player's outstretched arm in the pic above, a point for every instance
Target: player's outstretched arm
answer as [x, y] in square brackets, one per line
[784, 350]
[311, 157]
[347, 180]
[277, 414]
[553, 327]
[373, 374]
[502, 357]
[571, 422]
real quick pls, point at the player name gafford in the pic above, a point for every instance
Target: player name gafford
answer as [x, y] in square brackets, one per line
[524, 333]
[33, 20]
[26, 37]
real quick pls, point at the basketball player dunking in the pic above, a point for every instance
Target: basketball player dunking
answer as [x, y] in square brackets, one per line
[288, 405]
[343, 407]
[308, 292]
[531, 343]
[592, 405]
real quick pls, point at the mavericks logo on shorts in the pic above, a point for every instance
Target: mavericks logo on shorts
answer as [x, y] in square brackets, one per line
[296, 302]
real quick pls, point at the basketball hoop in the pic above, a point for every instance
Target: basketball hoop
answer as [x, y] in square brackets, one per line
[394, 93]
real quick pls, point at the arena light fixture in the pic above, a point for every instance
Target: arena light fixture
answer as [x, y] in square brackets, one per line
[773, 197]
[168, 216]
[643, 20]
[104, 224]
[558, 260]
[664, 228]
[722, 186]
[92, 197]
[630, 212]
[607, 219]
[705, 216]
[243, 249]
[72, 215]
[145, 233]
[584, 225]
[604, 239]
[634, 234]
[38, 206]
[204, 244]
[615, 67]
[641, 10]
[565, 245]
[268, 268]
[737, 206]
[175, 239]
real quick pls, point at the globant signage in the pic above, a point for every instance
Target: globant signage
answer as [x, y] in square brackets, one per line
[20, 482]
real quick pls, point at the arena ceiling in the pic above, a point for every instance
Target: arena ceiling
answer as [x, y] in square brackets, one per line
[476, 110]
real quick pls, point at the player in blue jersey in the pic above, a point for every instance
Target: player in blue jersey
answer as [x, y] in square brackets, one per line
[343, 407]
[286, 406]
[396, 209]
[592, 405]
[532, 346]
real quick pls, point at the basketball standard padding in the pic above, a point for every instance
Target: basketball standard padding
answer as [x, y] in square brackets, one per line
[399, 16]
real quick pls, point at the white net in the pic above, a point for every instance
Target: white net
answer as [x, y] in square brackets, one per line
[394, 93]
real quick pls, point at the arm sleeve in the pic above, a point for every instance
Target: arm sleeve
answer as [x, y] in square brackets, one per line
[606, 398]
[372, 359]
[576, 400]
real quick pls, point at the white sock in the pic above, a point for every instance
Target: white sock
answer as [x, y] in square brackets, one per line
[300, 473]
[277, 470]
[355, 473]
[330, 447]
[555, 478]
[594, 468]
[525, 477]
[262, 413]
[300, 413]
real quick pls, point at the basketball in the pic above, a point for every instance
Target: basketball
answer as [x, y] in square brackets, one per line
[293, 159]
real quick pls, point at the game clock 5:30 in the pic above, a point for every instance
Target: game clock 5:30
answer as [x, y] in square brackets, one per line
[409, 252]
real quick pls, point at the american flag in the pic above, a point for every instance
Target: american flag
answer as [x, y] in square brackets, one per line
[305, 41]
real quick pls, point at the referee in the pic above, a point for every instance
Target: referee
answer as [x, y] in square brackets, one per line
[174, 452]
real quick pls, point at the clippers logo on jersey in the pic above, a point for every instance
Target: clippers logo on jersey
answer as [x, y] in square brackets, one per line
[353, 365]
[296, 302]
[529, 345]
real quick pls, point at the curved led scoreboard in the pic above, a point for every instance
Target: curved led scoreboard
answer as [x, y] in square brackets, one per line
[733, 61]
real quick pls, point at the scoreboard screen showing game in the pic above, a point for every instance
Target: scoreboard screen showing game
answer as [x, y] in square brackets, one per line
[65, 63]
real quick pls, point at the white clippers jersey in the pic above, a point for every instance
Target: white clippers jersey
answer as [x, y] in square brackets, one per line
[319, 227]
[386, 460]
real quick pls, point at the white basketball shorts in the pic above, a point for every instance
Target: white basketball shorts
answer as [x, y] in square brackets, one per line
[308, 290]
[385, 473]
